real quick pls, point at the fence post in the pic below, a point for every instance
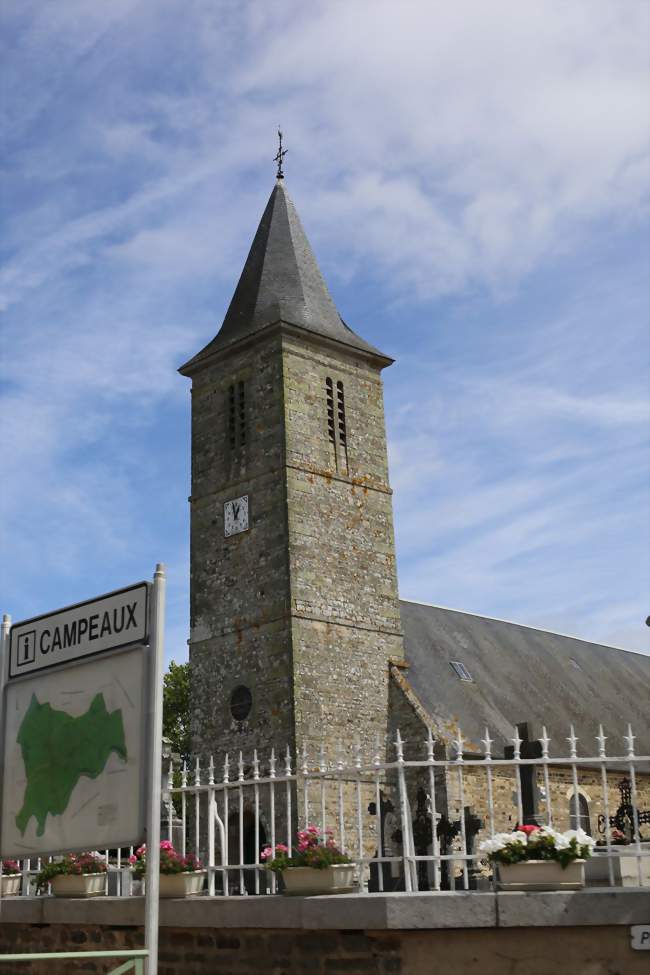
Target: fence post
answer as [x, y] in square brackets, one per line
[629, 738]
[601, 739]
[408, 851]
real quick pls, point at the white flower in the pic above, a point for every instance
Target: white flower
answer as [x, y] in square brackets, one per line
[559, 841]
[548, 831]
[581, 838]
[519, 837]
[495, 843]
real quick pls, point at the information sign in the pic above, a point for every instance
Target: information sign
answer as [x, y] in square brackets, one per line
[74, 754]
[81, 725]
[112, 621]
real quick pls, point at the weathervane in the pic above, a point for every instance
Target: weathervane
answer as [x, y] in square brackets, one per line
[281, 153]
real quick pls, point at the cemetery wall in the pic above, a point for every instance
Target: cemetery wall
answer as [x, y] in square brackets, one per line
[454, 934]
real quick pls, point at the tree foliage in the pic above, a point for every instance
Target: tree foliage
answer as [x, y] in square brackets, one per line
[176, 709]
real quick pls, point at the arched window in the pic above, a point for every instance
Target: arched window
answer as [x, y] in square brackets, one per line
[579, 818]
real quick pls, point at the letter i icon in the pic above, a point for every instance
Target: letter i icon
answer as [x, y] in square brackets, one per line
[26, 652]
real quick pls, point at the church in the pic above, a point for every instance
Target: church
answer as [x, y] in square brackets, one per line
[298, 635]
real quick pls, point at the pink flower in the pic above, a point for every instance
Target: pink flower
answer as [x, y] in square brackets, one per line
[166, 845]
[314, 830]
[268, 853]
[133, 858]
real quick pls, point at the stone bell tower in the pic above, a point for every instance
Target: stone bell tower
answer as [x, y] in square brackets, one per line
[294, 605]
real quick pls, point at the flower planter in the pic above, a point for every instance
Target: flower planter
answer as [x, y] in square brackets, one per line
[624, 867]
[79, 884]
[181, 884]
[307, 881]
[10, 885]
[541, 875]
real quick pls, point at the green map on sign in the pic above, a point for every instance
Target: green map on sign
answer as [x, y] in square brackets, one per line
[58, 749]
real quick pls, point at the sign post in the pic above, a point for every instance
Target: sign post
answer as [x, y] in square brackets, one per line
[155, 763]
[81, 726]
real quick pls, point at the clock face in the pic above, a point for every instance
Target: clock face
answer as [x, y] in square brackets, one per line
[235, 516]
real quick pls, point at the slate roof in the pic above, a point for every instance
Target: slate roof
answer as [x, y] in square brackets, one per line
[520, 674]
[281, 281]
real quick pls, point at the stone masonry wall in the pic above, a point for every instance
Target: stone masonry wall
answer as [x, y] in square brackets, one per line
[407, 714]
[302, 608]
[344, 602]
[206, 951]
[240, 629]
[561, 789]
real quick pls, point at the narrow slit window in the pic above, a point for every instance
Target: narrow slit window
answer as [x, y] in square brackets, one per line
[242, 412]
[329, 392]
[461, 670]
[340, 397]
[236, 408]
[232, 418]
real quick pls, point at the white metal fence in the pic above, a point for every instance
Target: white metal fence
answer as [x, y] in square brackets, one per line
[410, 820]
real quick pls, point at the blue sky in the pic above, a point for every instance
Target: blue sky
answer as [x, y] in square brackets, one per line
[473, 179]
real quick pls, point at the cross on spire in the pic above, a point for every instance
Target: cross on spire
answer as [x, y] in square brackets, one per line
[279, 157]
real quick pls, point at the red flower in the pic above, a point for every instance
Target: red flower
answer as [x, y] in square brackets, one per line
[527, 829]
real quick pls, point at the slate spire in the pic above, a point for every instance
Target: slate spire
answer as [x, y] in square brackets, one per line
[281, 282]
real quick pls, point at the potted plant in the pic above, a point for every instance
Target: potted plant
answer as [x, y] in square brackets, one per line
[316, 867]
[74, 875]
[180, 876]
[11, 878]
[539, 858]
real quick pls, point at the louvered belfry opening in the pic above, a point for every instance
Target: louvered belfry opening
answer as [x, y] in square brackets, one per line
[337, 431]
[329, 393]
[343, 436]
[241, 402]
[237, 415]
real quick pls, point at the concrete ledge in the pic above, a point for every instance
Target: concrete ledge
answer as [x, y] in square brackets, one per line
[369, 912]
[441, 910]
[604, 906]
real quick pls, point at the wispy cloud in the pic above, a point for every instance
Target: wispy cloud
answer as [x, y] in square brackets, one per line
[475, 187]
[522, 487]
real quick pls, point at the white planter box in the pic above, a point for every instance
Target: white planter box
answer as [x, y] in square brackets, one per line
[181, 884]
[541, 875]
[79, 885]
[10, 884]
[624, 868]
[307, 881]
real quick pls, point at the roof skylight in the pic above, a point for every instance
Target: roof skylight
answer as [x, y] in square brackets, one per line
[461, 670]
